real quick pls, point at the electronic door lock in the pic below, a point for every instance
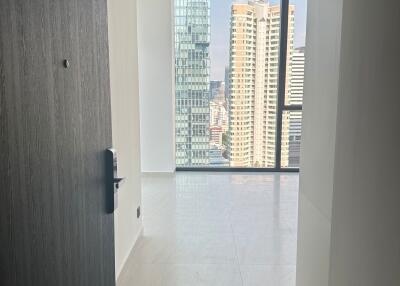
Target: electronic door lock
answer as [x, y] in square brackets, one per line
[112, 180]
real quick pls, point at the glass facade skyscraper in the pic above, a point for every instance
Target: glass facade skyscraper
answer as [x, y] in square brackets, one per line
[192, 82]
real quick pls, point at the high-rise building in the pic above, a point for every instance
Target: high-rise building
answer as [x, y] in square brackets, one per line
[215, 86]
[218, 115]
[227, 83]
[296, 98]
[192, 81]
[297, 78]
[218, 110]
[216, 136]
[254, 61]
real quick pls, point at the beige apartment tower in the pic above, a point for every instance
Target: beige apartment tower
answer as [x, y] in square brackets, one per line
[254, 61]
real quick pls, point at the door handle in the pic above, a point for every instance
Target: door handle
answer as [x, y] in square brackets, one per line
[113, 182]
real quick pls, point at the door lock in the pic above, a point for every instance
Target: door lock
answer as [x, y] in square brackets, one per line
[112, 180]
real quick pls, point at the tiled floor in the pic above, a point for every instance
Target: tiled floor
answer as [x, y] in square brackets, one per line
[217, 229]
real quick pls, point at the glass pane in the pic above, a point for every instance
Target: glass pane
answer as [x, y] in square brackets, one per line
[296, 52]
[227, 71]
[291, 139]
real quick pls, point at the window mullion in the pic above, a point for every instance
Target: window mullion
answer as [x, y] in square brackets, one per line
[282, 80]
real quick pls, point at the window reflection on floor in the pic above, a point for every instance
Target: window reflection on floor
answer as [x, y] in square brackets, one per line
[216, 229]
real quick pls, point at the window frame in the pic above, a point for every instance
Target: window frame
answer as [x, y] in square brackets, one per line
[282, 107]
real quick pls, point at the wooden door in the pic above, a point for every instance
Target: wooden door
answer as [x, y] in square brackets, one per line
[55, 124]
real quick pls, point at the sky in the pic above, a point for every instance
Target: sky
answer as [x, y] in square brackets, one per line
[220, 16]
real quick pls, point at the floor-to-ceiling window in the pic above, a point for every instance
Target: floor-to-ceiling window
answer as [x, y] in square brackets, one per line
[239, 69]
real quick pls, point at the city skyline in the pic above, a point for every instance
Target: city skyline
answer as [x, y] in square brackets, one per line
[232, 121]
[220, 24]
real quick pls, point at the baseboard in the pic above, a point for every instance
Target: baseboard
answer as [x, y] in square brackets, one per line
[138, 235]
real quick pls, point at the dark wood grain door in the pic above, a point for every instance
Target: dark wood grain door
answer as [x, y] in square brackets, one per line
[55, 125]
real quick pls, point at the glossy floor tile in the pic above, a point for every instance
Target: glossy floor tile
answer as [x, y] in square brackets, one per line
[216, 229]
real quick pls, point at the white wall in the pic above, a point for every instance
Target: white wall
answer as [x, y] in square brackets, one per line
[125, 122]
[349, 228]
[156, 85]
[318, 141]
[365, 247]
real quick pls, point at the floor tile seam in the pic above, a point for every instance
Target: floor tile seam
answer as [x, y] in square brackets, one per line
[236, 250]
